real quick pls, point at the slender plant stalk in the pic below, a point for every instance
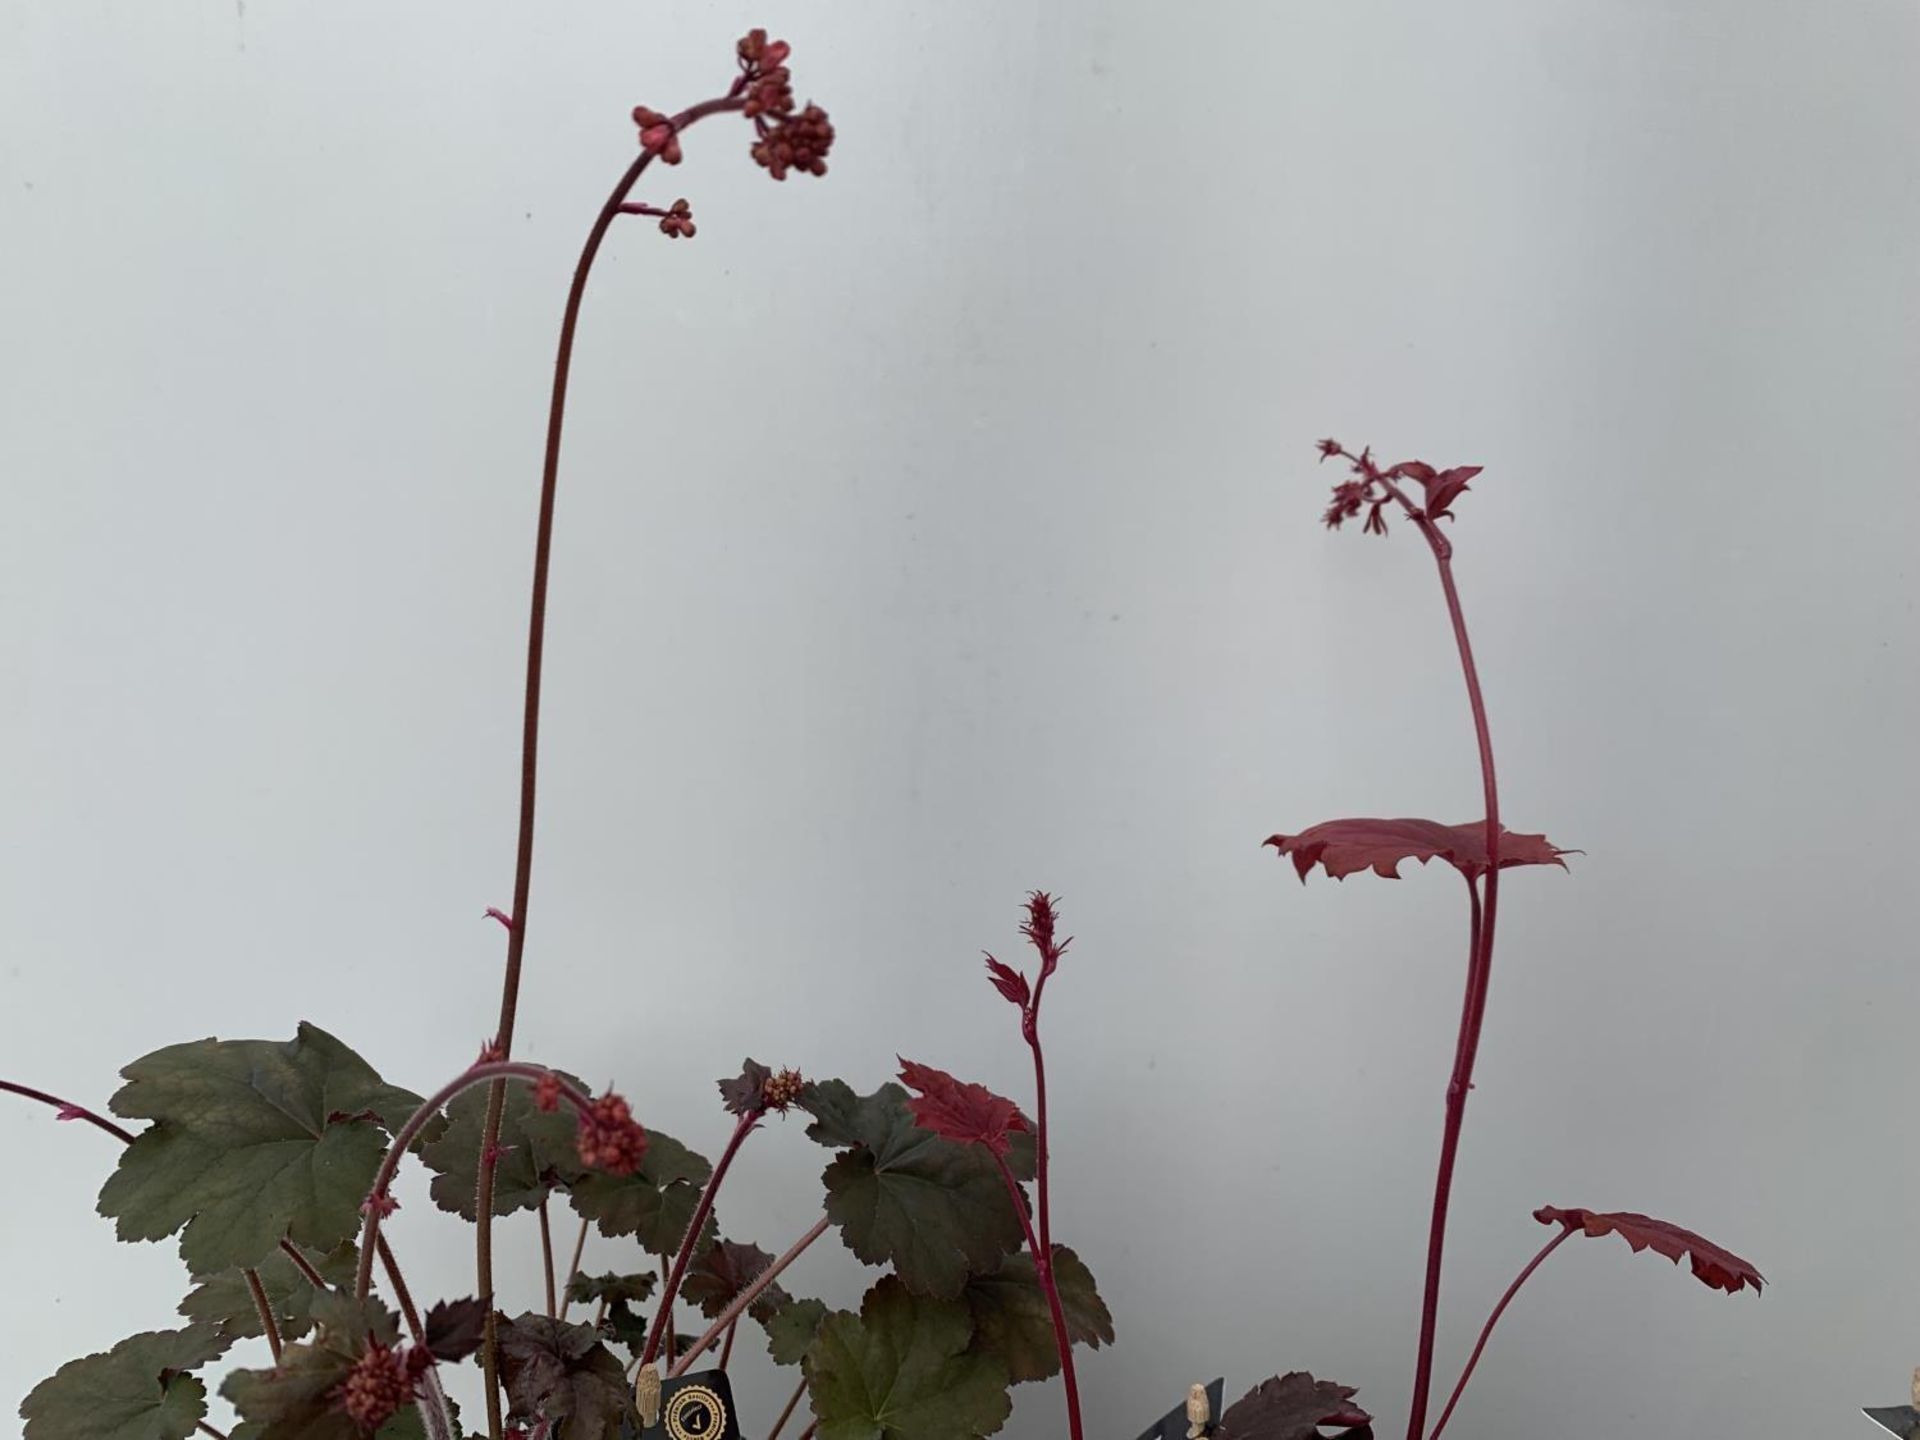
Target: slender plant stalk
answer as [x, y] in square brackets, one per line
[751, 1292]
[546, 1259]
[793, 1403]
[726, 1346]
[1043, 1269]
[70, 1111]
[268, 1324]
[402, 1296]
[662, 1320]
[807, 1434]
[1492, 1320]
[530, 733]
[665, 1266]
[1480, 969]
[205, 1429]
[573, 1269]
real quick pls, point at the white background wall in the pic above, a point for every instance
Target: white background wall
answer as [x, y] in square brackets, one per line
[949, 527]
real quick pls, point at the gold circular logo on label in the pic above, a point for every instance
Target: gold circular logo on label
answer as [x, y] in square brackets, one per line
[695, 1413]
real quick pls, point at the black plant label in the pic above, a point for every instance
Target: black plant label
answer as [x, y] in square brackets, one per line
[698, 1406]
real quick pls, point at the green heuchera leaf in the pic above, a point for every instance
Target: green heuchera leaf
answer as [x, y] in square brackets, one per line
[538, 1151]
[935, 1211]
[1011, 1318]
[138, 1390]
[563, 1373]
[791, 1330]
[901, 1370]
[253, 1141]
[296, 1399]
[656, 1202]
[610, 1286]
[225, 1300]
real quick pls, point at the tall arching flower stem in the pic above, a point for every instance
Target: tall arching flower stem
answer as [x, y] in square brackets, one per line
[787, 139]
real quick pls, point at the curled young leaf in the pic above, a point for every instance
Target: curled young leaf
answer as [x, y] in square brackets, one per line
[141, 1389]
[1009, 982]
[959, 1110]
[1345, 847]
[1291, 1407]
[745, 1093]
[1714, 1266]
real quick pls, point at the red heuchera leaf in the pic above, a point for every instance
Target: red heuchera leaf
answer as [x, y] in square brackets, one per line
[1009, 982]
[454, 1329]
[958, 1110]
[1442, 487]
[1290, 1407]
[1722, 1269]
[1346, 847]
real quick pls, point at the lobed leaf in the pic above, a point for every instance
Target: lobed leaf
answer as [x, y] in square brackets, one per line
[791, 1330]
[935, 1211]
[901, 1370]
[1292, 1407]
[1345, 847]
[538, 1150]
[298, 1398]
[611, 1287]
[562, 1373]
[1721, 1269]
[138, 1390]
[252, 1142]
[454, 1329]
[959, 1110]
[655, 1203]
[1011, 1318]
[721, 1271]
[225, 1301]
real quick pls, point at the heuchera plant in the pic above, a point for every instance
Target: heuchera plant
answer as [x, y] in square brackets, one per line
[1479, 850]
[273, 1162]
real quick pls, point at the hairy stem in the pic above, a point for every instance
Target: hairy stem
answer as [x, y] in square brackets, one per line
[70, 1111]
[546, 1260]
[662, 1320]
[573, 1268]
[402, 1296]
[1480, 969]
[793, 1403]
[268, 1323]
[1043, 1271]
[726, 1346]
[751, 1292]
[495, 1071]
[530, 727]
[1492, 1320]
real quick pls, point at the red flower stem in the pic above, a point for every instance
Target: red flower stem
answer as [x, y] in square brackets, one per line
[401, 1295]
[1492, 1320]
[1043, 1271]
[205, 1429]
[1480, 967]
[530, 727]
[314, 1277]
[807, 1434]
[546, 1260]
[68, 1109]
[726, 1347]
[573, 1267]
[662, 1319]
[750, 1293]
[268, 1324]
[793, 1403]
[498, 1071]
[1030, 1028]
